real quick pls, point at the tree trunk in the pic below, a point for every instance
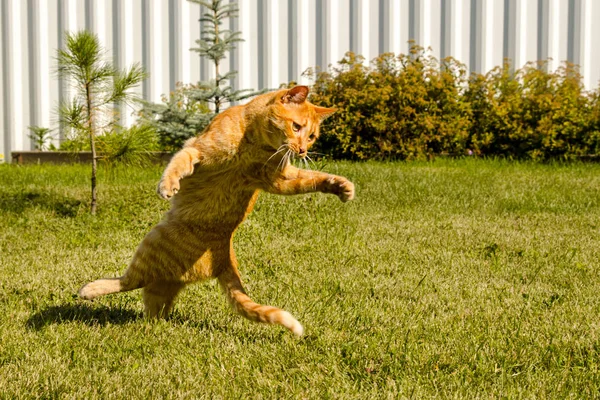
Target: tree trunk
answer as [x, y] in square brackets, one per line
[88, 96]
[217, 80]
[94, 161]
[218, 83]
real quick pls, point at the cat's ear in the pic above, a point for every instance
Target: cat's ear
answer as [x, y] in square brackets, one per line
[297, 94]
[323, 112]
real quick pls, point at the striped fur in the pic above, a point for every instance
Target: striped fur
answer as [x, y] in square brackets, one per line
[213, 183]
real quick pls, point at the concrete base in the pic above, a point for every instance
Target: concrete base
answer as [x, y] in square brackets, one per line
[66, 157]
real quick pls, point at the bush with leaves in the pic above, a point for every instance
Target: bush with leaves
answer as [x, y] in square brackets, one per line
[530, 113]
[401, 107]
[131, 146]
[592, 137]
[413, 106]
[179, 117]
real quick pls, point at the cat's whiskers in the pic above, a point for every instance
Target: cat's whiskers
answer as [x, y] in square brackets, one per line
[314, 164]
[311, 162]
[306, 166]
[291, 157]
[285, 159]
[279, 150]
[314, 181]
[281, 161]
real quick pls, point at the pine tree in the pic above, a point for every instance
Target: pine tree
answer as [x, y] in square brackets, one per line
[186, 112]
[98, 86]
[214, 45]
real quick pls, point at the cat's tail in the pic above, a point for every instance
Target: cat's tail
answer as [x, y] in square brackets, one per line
[240, 301]
[107, 286]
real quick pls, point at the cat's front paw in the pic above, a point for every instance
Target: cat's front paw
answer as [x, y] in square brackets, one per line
[342, 188]
[167, 187]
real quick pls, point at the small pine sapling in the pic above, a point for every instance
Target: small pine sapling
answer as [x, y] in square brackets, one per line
[97, 86]
[214, 45]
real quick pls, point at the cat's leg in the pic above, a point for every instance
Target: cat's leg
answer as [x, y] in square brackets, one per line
[229, 279]
[136, 276]
[294, 180]
[180, 166]
[159, 297]
[105, 286]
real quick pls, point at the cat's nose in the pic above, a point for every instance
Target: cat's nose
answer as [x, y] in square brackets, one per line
[302, 152]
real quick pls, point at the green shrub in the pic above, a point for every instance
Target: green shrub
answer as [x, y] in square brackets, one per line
[530, 113]
[406, 106]
[414, 106]
[179, 117]
[592, 137]
[131, 146]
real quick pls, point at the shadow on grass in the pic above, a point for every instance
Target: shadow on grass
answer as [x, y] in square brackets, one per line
[98, 315]
[18, 202]
[90, 315]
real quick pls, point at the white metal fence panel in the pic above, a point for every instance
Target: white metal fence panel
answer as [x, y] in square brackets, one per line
[282, 39]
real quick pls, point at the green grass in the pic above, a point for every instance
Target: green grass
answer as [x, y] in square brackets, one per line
[448, 279]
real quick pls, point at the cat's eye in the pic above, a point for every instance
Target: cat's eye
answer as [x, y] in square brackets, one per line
[296, 127]
[312, 137]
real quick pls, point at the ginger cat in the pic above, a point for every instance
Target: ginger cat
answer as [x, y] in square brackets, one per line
[214, 182]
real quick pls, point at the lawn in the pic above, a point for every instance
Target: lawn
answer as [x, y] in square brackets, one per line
[456, 278]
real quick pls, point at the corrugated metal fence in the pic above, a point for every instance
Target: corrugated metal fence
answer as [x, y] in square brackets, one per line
[282, 39]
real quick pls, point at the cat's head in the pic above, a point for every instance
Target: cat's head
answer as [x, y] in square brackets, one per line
[294, 122]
